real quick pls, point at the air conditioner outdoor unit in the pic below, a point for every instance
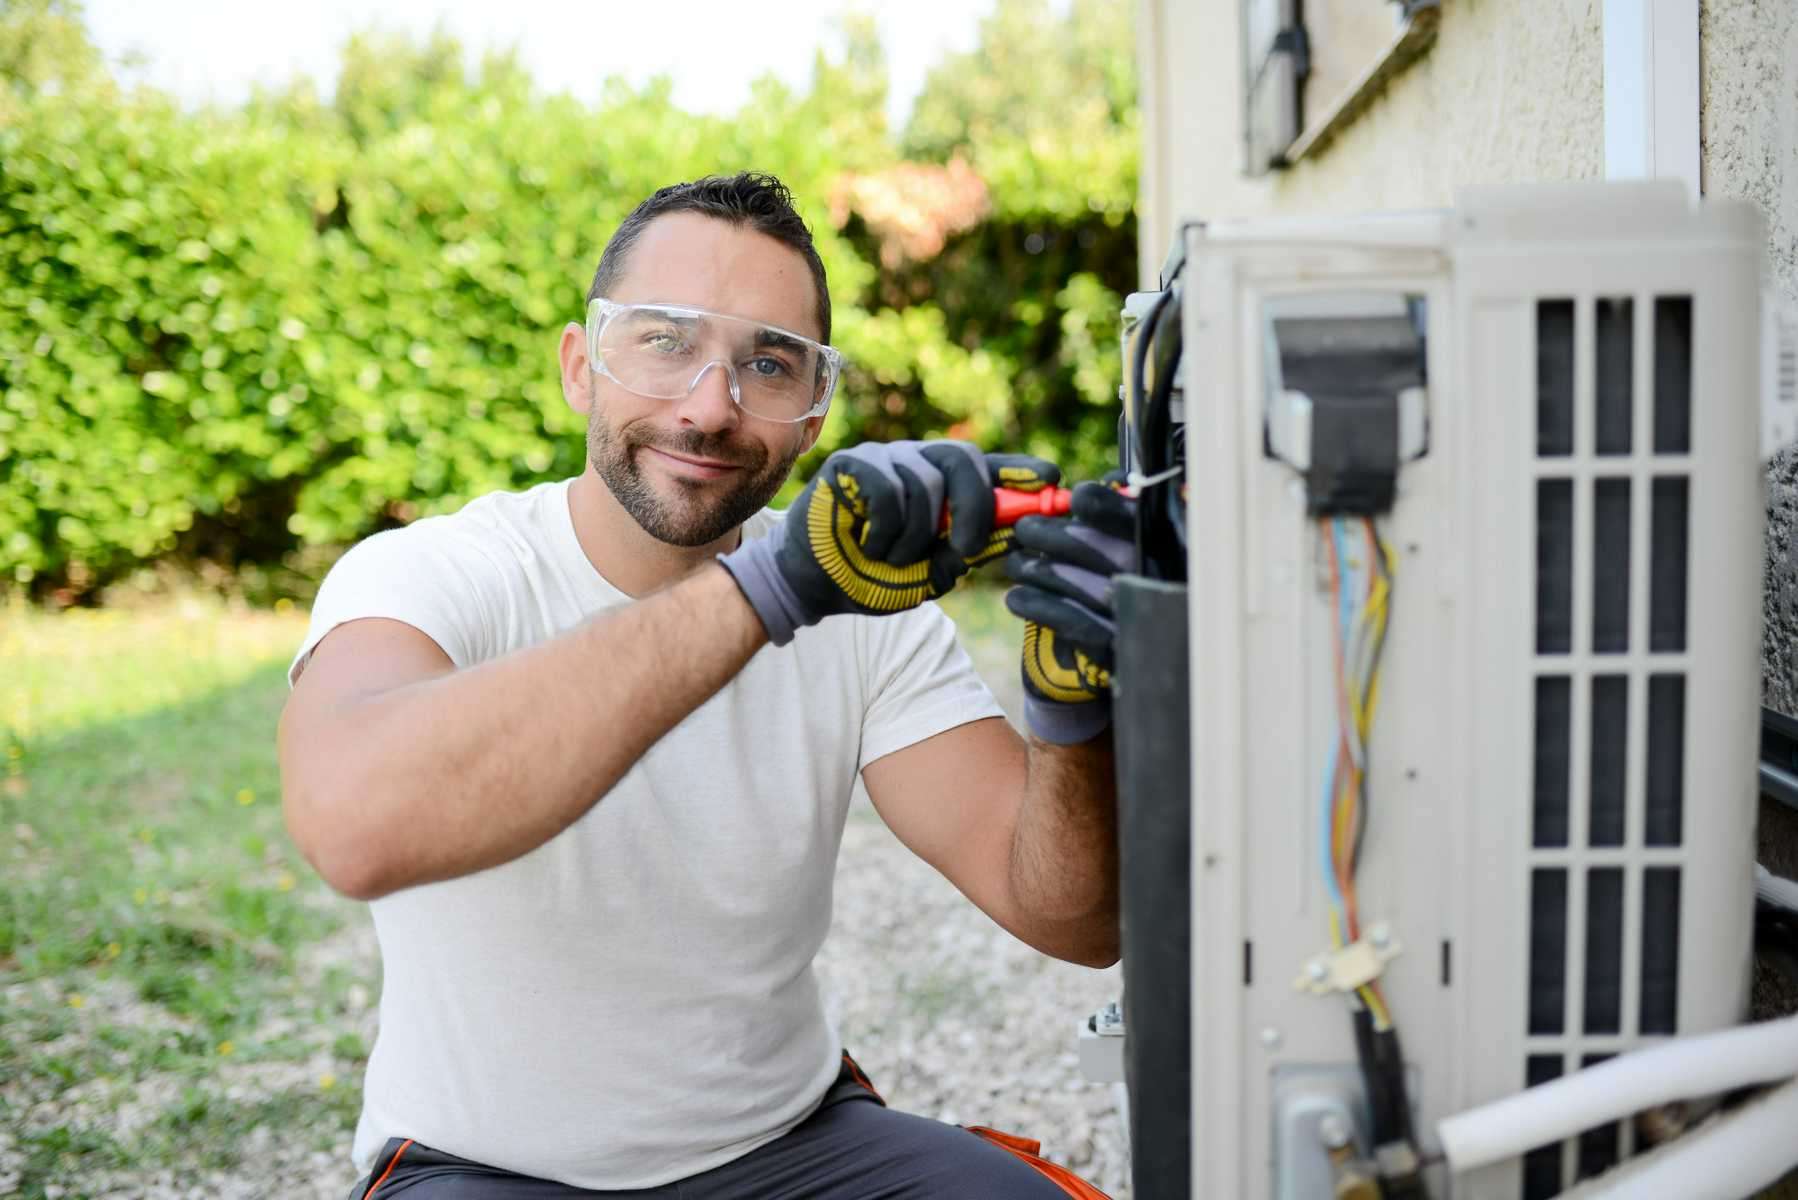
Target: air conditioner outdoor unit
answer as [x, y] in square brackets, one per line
[1473, 517]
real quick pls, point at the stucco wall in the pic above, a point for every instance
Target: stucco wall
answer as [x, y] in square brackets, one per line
[1748, 122]
[1512, 91]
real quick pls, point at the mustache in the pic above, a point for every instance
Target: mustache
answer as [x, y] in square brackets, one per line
[698, 444]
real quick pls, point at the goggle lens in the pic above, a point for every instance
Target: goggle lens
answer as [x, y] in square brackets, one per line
[663, 351]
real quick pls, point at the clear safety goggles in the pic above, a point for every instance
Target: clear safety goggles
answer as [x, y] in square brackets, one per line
[664, 350]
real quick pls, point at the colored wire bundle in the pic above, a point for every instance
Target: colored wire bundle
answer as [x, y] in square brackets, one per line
[1361, 587]
[1361, 594]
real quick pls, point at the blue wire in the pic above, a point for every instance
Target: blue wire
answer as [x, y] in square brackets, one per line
[1329, 795]
[1348, 581]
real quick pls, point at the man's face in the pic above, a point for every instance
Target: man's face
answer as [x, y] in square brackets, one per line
[691, 470]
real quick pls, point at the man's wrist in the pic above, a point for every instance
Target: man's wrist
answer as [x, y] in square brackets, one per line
[769, 595]
[1065, 724]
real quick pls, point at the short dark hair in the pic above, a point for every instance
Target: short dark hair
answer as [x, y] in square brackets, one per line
[750, 198]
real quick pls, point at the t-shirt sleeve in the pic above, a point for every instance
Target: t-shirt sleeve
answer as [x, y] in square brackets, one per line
[432, 582]
[920, 682]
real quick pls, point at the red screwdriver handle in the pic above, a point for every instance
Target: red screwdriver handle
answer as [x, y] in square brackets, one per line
[1009, 504]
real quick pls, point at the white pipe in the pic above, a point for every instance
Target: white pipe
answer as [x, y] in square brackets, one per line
[1780, 893]
[1702, 1065]
[1736, 1155]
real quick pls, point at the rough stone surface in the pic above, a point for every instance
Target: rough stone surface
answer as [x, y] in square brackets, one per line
[951, 1016]
[1748, 124]
[1748, 65]
[955, 1019]
[1779, 597]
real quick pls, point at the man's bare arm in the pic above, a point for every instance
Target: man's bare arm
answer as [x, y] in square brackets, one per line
[1027, 831]
[1064, 855]
[397, 770]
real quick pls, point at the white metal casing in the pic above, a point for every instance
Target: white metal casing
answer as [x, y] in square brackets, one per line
[1449, 854]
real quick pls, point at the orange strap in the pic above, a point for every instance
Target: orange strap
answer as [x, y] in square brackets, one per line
[1030, 1150]
[855, 1073]
[390, 1166]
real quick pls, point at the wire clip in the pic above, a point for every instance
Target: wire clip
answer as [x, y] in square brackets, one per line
[1136, 481]
[1352, 967]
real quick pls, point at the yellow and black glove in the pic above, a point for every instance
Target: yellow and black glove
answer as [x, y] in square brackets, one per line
[866, 535]
[1063, 569]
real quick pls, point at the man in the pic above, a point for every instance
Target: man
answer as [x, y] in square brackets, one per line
[597, 811]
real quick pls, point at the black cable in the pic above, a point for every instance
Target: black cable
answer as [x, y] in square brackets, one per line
[1382, 1062]
[1168, 335]
[1154, 508]
[1139, 400]
[1176, 502]
[1405, 1187]
[1145, 333]
[1380, 1101]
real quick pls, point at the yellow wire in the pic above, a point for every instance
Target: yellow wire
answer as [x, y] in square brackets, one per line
[1340, 825]
[1377, 614]
[1376, 1004]
[1361, 707]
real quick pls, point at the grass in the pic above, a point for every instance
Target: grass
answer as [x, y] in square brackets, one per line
[163, 994]
[78, 668]
[154, 918]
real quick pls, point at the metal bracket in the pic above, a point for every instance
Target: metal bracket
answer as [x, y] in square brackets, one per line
[1100, 1044]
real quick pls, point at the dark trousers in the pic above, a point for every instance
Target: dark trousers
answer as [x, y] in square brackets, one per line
[853, 1148]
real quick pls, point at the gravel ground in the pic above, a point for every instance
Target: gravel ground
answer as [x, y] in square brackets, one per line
[951, 1017]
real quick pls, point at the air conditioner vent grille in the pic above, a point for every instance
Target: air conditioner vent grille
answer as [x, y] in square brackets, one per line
[1611, 527]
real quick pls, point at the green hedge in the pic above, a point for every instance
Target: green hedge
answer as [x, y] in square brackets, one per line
[231, 335]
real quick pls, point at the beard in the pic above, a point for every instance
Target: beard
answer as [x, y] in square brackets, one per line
[694, 516]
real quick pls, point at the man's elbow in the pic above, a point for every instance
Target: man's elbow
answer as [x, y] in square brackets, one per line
[1105, 951]
[352, 876]
[1108, 958]
[1098, 960]
[1095, 942]
[343, 856]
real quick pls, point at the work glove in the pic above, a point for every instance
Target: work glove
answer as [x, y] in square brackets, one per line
[864, 536]
[1064, 568]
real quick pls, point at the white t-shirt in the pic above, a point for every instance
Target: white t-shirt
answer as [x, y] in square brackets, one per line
[632, 1002]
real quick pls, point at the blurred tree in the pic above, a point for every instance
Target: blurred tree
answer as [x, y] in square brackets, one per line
[44, 47]
[233, 334]
[1044, 108]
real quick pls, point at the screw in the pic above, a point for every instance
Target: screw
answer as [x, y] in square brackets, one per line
[1333, 1131]
[1380, 935]
[1317, 970]
[1270, 1037]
